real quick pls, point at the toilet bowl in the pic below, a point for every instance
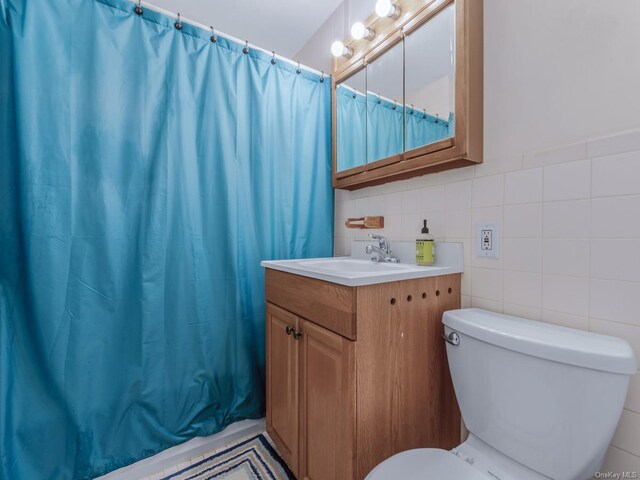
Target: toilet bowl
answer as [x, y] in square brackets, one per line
[540, 401]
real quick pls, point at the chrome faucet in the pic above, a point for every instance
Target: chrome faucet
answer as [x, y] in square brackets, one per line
[382, 251]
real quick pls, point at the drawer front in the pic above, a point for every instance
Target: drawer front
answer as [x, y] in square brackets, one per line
[327, 304]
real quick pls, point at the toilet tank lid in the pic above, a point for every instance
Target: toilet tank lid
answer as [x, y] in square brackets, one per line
[544, 340]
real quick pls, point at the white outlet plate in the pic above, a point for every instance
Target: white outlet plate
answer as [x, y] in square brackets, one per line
[487, 244]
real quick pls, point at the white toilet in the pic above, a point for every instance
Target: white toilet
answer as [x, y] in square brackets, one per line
[540, 401]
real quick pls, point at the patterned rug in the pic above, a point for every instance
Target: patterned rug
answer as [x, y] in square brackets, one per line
[254, 458]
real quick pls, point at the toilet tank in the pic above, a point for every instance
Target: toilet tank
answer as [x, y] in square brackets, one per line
[548, 397]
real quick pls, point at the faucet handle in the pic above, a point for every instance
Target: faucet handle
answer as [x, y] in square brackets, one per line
[380, 238]
[382, 242]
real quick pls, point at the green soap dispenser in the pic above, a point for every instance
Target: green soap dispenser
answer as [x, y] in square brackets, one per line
[425, 247]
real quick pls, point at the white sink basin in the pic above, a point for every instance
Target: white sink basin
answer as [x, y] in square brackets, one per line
[351, 267]
[355, 272]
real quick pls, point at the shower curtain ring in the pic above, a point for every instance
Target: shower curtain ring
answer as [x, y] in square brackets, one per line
[395, 105]
[379, 99]
[322, 77]
[213, 37]
[412, 109]
[138, 8]
[273, 57]
[245, 50]
[178, 24]
[437, 117]
[424, 113]
[298, 69]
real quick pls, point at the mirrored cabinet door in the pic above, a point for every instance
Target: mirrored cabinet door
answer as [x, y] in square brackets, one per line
[385, 113]
[430, 81]
[351, 118]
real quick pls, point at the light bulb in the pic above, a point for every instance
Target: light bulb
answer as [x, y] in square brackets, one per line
[384, 8]
[359, 31]
[338, 49]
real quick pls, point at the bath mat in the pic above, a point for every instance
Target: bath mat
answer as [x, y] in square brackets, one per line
[253, 458]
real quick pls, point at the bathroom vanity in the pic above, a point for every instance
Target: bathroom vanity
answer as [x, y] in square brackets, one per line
[356, 364]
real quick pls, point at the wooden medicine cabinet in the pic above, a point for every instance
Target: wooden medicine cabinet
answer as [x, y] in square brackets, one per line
[409, 101]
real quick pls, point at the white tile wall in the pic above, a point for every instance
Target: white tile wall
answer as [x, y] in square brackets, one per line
[565, 319]
[522, 288]
[624, 142]
[616, 259]
[563, 154]
[522, 220]
[522, 254]
[616, 175]
[620, 461]
[615, 217]
[566, 256]
[568, 219]
[633, 397]
[521, 311]
[433, 198]
[570, 241]
[566, 294]
[567, 181]
[458, 195]
[523, 186]
[616, 301]
[626, 438]
[488, 191]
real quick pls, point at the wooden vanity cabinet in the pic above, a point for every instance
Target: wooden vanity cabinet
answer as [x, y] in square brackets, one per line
[357, 374]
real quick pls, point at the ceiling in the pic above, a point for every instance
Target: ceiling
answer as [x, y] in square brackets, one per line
[280, 25]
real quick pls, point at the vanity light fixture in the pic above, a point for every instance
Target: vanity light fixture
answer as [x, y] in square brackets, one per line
[339, 49]
[384, 8]
[359, 31]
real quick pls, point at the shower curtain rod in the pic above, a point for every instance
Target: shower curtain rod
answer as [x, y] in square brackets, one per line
[375, 94]
[389, 100]
[170, 14]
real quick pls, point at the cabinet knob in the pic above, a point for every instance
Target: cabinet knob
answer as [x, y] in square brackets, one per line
[289, 330]
[297, 335]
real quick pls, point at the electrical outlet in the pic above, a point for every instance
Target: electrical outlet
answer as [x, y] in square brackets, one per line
[487, 240]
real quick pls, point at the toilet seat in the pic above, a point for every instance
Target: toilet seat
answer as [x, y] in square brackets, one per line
[425, 464]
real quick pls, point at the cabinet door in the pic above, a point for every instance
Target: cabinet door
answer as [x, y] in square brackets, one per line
[327, 430]
[282, 384]
[405, 395]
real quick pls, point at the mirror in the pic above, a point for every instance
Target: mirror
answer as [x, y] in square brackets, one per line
[430, 81]
[385, 113]
[351, 113]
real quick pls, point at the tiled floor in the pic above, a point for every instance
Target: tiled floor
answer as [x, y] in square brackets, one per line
[176, 458]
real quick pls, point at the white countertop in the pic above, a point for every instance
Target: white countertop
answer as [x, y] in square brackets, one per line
[357, 270]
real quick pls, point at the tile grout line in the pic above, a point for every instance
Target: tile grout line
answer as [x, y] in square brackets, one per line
[542, 238]
[590, 249]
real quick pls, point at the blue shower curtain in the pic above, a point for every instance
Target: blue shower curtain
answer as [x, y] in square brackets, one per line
[367, 134]
[423, 128]
[351, 128]
[385, 136]
[144, 173]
